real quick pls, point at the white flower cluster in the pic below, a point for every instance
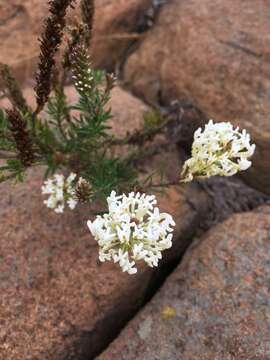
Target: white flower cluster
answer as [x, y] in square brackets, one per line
[218, 150]
[60, 191]
[132, 230]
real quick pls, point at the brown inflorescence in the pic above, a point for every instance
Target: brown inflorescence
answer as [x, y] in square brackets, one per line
[49, 43]
[20, 133]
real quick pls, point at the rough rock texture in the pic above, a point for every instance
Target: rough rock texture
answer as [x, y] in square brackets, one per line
[217, 55]
[21, 24]
[215, 305]
[57, 301]
[115, 25]
[55, 294]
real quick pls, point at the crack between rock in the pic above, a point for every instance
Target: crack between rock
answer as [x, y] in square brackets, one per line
[228, 196]
[242, 48]
[225, 196]
[145, 22]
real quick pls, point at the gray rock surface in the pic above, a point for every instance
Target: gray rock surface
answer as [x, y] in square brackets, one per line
[215, 305]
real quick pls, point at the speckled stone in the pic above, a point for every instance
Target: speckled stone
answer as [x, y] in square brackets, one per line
[216, 305]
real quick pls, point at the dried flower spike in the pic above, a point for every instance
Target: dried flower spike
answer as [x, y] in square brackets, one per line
[218, 150]
[132, 230]
[21, 135]
[49, 44]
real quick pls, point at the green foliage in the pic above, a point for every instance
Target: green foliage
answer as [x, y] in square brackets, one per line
[13, 169]
[6, 141]
[72, 137]
[108, 173]
[58, 111]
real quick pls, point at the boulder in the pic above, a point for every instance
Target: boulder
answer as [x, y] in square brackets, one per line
[58, 302]
[21, 25]
[216, 303]
[217, 56]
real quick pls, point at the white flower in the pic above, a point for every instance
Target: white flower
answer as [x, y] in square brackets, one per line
[133, 230]
[60, 191]
[218, 150]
